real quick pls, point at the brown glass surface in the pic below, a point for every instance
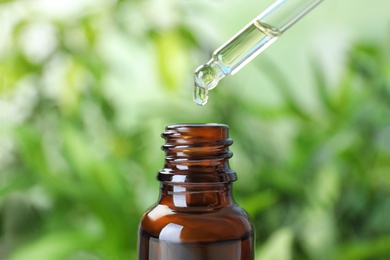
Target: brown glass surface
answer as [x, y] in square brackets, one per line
[196, 217]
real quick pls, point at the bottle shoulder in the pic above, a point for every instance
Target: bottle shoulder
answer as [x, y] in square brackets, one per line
[197, 224]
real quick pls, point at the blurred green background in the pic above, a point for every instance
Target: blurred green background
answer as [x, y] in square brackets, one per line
[87, 87]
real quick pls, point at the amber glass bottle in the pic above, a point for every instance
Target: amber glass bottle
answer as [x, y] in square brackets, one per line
[196, 217]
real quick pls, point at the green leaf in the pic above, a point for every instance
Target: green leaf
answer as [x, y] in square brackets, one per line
[284, 86]
[322, 86]
[6, 1]
[378, 248]
[258, 202]
[172, 58]
[278, 246]
[56, 245]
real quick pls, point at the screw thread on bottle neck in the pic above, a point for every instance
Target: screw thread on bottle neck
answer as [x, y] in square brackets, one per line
[197, 153]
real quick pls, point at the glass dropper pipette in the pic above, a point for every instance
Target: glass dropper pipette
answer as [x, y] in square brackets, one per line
[248, 43]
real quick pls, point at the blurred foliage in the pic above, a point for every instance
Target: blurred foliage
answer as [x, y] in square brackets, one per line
[80, 151]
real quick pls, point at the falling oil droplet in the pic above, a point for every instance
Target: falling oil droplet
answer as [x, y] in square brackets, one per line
[201, 95]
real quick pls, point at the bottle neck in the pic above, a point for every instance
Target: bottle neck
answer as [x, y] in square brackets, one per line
[196, 172]
[203, 196]
[197, 153]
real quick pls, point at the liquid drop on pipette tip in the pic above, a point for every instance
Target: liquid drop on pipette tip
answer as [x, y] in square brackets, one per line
[205, 78]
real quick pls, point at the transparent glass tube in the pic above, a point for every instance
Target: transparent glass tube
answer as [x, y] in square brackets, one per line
[248, 43]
